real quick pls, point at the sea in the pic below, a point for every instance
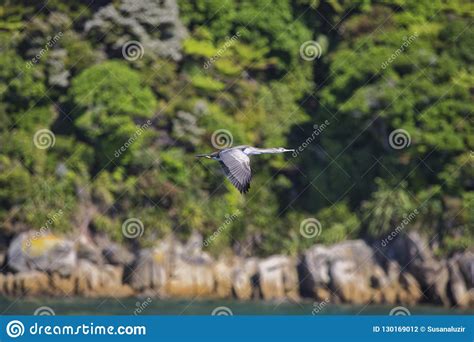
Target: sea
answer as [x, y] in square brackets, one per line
[154, 306]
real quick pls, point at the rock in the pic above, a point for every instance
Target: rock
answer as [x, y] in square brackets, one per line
[87, 278]
[389, 287]
[466, 266]
[148, 272]
[62, 286]
[189, 280]
[409, 248]
[87, 250]
[193, 247]
[345, 269]
[433, 277]
[410, 292]
[33, 284]
[399, 287]
[413, 253]
[191, 272]
[244, 278]
[171, 269]
[314, 271]
[2, 258]
[278, 278]
[349, 283]
[94, 281]
[223, 278]
[47, 253]
[8, 286]
[116, 254]
[459, 292]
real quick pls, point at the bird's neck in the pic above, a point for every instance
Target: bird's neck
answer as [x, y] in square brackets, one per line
[252, 151]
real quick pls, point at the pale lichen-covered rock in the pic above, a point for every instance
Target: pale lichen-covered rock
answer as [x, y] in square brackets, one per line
[188, 279]
[116, 254]
[100, 281]
[148, 272]
[314, 270]
[171, 269]
[191, 272]
[47, 253]
[244, 278]
[223, 277]
[344, 268]
[87, 250]
[278, 278]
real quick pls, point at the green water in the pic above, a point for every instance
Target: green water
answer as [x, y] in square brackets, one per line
[148, 306]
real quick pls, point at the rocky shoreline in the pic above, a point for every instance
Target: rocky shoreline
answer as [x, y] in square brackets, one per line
[404, 272]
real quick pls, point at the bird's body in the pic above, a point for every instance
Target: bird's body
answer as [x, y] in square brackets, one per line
[235, 163]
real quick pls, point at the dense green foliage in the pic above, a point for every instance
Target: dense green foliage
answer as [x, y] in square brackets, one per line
[383, 66]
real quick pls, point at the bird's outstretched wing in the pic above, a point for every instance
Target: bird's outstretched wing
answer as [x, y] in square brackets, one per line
[236, 166]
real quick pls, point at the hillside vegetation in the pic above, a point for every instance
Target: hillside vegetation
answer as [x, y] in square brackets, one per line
[125, 130]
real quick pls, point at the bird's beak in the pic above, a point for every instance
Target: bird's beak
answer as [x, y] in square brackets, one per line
[289, 150]
[203, 156]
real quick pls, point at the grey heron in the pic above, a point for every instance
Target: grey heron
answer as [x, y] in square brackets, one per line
[235, 163]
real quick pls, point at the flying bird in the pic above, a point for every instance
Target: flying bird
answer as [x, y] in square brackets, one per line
[235, 163]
